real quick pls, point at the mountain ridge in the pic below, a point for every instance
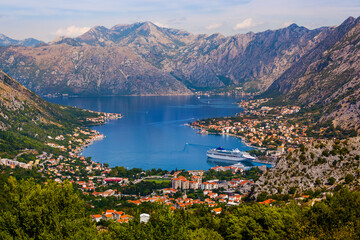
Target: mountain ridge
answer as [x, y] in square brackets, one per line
[27, 42]
[327, 76]
[26, 120]
[164, 60]
[145, 59]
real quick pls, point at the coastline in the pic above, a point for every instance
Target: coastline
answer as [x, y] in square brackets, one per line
[243, 140]
[97, 136]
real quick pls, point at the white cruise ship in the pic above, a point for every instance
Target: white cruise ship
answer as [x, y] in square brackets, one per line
[234, 155]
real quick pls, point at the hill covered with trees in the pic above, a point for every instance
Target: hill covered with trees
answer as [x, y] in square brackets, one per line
[55, 211]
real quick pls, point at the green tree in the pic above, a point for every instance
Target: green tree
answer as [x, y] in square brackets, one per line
[51, 211]
[331, 180]
[204, 234]
[349, 178]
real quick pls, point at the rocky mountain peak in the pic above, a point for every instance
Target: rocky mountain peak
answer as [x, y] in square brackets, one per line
[294, 26]
[350, 20]
[95, 36]
[98, 30]
[29, 42]
[252, 61]
[3, 37]
[148, 28]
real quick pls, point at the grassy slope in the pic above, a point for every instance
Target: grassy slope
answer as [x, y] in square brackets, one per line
[26, 119]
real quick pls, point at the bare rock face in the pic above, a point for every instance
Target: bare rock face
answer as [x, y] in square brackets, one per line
[88, 70]
[312, 167]
[144, 59]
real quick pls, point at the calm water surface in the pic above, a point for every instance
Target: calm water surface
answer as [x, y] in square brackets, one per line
[153, 133]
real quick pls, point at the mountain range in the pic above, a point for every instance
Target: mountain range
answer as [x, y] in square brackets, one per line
[296, 65]
[327, 76]
[145, 59]
[28, 42]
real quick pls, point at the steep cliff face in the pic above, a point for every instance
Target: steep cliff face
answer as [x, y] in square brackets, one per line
[250, 60]
[95, 70]
[328, 76]
[201, 61]
[143, 59]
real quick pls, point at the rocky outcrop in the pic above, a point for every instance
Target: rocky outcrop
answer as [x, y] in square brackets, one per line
[313, 167]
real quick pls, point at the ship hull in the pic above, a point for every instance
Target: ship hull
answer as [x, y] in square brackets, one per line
[227, 155]
[224, 157]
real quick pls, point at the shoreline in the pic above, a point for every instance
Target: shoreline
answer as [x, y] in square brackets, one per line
[243, 140]
[131, 95]
[98, 136]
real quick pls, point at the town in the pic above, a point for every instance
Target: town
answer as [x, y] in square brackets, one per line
[268, 129]
[105, 189]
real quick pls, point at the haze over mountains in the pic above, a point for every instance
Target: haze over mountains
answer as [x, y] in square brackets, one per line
[145, 59]
[28, 42]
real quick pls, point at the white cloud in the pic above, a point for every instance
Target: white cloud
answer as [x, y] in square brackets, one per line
[213, 26]
[41, 18]
[71, 31]
[246, 24]
[161, 25]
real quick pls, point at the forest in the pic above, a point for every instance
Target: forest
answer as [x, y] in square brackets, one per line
[31, 210]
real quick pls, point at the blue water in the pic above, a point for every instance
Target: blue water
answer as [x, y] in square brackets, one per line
[153, 133]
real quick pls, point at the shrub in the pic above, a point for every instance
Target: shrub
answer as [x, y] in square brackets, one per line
[349, 178]
[331, 181]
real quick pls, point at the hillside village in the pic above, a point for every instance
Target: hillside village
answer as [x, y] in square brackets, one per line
[269, 129]
[105, 189]
[177, 190]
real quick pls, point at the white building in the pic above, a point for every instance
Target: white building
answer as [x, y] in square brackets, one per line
[144, 218]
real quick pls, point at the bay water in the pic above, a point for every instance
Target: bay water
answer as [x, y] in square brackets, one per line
[153, 132]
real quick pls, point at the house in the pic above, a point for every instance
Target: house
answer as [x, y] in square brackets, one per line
[209, 186]
[182, 183]
[108, 193]
[268, 202]
[212, 195]
[136, 202]
[217, 210]
[128, 217]
[108, 216]
[223, 196]
[169, 191]
[96, 217]
[144, 218]
[193, 185]
[206, 192]
[123, 220]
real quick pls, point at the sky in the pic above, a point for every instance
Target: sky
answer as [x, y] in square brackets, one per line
[47, 19]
